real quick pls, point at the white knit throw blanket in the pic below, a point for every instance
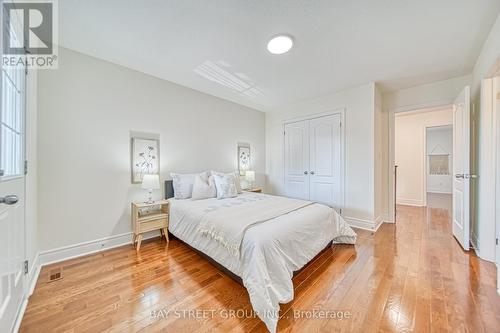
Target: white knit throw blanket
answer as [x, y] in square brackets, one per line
[227, 226]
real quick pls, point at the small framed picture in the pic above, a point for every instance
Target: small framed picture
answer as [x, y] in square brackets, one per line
[243, 157]
[145, 158]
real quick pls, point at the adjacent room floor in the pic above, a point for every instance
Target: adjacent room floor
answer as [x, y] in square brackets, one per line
[412, 276]
[440, 200]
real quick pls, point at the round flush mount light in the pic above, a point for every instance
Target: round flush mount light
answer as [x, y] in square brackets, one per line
[280, 44]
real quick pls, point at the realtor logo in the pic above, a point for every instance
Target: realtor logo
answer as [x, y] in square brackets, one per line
[29, 33]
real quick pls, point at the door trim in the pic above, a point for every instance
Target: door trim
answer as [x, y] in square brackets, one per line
[343, 145]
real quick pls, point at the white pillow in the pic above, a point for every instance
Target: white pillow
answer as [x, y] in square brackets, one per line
[226, 186]
[236, 178]
[183, 184]
[203, 188]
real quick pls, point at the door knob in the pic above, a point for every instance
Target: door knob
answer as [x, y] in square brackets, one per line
[312, 172]
[9, 199]
[305, 172]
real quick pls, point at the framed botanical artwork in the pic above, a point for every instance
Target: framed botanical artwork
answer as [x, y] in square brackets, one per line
[439, 164]
[243, 157]
[145, 158]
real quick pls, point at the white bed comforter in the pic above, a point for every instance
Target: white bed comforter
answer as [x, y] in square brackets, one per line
[270, 251]
[228, 226]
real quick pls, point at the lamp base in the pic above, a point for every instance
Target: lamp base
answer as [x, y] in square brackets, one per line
[150, 199]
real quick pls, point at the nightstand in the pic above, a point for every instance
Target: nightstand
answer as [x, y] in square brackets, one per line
[144, 220]
[255, 190]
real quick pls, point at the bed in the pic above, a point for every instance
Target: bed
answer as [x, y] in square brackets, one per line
[271, 249]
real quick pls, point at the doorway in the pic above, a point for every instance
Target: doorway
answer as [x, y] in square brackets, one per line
[407, 134]
[423, 144]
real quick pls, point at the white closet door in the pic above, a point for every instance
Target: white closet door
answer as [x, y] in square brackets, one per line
[325, 160]
[297, 160]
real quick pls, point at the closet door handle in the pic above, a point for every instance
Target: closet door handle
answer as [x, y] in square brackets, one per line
[312, 172]
[305, 172]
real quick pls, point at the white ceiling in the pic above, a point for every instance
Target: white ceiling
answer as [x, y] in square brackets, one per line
[219, 46]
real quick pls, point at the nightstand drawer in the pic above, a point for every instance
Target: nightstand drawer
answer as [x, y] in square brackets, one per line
[152, 225]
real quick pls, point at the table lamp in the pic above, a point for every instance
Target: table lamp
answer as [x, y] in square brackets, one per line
[150, 183]
[250, 177]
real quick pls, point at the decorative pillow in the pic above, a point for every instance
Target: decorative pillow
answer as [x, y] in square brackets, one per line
[236, 178]
[226, 186]
[183, 184]
[203, 188]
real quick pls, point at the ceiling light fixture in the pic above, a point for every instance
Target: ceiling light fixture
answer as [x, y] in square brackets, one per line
[280, 44]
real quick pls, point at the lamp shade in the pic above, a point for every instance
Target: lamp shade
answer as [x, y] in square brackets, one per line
[151, 182]
[250, 175]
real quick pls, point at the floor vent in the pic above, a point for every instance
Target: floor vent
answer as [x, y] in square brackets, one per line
[55, 274]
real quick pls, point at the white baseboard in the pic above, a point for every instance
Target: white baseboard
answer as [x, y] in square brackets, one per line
[379, 220]
[85, 248]
[438, 192]
[475, 244]
[410, 202]
[498, 277]
[34, 272]
[20, 315]
[388, 218]
[364, 223]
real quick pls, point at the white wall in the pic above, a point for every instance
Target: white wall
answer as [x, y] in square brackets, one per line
[87, 109]
[381, 171]
[440, 141]
[359, 127]
[425, 96]
[410, 152]
[483, 208]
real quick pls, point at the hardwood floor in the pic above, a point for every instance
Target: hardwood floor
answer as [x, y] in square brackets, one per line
[412, 276]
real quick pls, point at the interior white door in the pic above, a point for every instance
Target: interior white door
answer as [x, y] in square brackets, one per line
[325, 160]
[297, 160]
[461, 168]
[12, 182]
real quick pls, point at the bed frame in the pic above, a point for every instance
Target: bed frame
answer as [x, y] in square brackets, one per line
[169, 193]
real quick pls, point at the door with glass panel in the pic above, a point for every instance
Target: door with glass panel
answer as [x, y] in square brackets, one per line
[12, 180]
